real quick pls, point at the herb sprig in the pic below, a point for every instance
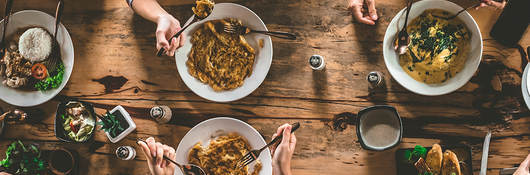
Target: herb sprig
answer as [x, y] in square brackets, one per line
[23, 159]
[53, 81]
[110, 124]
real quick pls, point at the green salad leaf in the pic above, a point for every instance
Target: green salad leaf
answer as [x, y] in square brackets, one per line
[53, 81]
[23, 159]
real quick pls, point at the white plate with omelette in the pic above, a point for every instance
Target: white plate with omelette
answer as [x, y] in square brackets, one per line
[27, 18]
[262, 60]
[207, 130]
[434, 86]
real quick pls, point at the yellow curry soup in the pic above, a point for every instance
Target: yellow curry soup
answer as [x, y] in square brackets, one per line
[438, 48]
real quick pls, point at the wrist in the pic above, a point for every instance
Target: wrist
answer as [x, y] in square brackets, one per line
[284, 169]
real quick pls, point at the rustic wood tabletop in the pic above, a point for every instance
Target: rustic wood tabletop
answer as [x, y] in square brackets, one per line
[115, 64]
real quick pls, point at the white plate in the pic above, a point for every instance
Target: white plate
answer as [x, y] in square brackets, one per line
[205, 130]
[527, 82]
[262, 61]
[28, 18]
[524, 86]
[461, 78]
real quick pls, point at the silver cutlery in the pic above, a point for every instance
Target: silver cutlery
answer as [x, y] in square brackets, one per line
[403, 39]
[254, 154]
[52, 64]
[9, 4]
[187, 169]
[243, 30]
[485, 151]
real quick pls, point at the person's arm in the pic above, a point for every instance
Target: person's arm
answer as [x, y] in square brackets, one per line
[498, 4]
[154, 153]
[283, 153]
[167, 25]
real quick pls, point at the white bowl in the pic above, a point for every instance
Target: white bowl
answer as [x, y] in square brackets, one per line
[28, 18]
[208, 129]
[127, 131]
[460, 79]
[262, 61]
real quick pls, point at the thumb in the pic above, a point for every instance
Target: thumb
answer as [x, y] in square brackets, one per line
[161, 40]
[146, 151]
[286, 136]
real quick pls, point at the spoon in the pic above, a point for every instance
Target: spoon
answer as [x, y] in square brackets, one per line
[403, 39]
[52, 64]
[195, 19]
[187, 169]
[9, 4]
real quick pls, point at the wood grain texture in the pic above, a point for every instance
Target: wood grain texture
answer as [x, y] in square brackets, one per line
[115, 64]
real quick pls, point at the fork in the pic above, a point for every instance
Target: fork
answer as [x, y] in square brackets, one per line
[254, 154]
[243, 30]
[9, 4]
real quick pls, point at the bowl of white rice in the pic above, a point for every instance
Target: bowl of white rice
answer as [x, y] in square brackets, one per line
[36, 44]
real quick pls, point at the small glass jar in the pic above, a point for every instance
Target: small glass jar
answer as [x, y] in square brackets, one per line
[316, 62]
[161, 114]
[125, 152]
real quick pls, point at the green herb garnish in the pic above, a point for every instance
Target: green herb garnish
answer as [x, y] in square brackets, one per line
[111, 124]
[53, 81]
[23, 160]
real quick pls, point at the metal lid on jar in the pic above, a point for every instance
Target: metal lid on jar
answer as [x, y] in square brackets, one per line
[317, 62]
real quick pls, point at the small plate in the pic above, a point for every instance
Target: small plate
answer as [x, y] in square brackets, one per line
[463, 153]
[262, 61]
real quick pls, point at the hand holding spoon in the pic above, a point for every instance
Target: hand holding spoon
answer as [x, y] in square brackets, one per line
[403, 39]
[195, 19]
[187, 169]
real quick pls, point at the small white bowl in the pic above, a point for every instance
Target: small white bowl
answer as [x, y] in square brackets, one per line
[460, 79]
[127, 131]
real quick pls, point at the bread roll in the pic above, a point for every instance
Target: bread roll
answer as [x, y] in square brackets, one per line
[450, 164]
[434, 159]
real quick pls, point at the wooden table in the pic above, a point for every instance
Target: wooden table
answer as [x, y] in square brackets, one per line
[115, 65]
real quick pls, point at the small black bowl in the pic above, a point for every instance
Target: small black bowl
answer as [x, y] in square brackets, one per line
[378, 107]
[60, 133]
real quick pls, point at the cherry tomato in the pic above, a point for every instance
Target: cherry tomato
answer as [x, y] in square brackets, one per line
[39, 71]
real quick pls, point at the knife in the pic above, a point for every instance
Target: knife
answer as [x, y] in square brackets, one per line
[485, 151]
[507, 171]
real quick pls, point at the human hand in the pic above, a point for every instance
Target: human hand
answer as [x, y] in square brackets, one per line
[156, 150]
[356, 7]
[492, 3]
[524, 167]
[282, 153]
[4, 173]
[167, 26]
